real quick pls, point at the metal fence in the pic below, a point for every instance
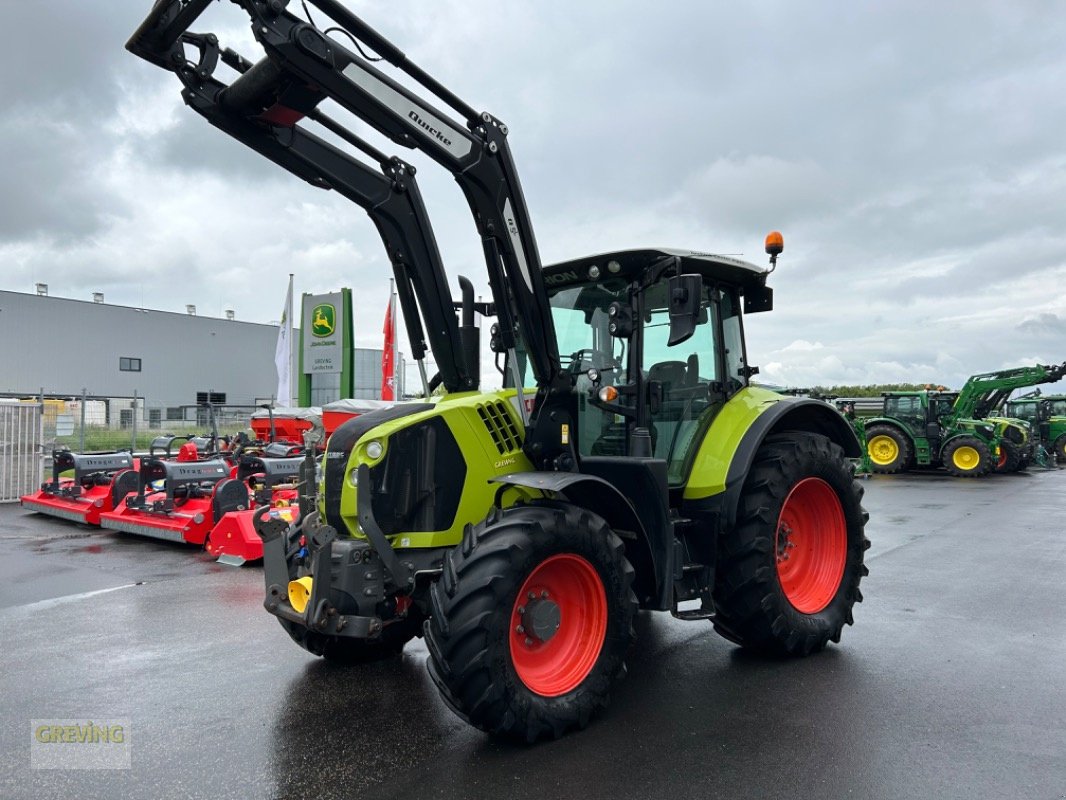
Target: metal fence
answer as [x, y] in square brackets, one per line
[21, 435]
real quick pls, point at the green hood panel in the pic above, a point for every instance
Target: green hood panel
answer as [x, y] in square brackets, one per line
[489, 433]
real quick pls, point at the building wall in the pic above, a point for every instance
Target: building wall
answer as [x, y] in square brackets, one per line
[366, 372]
[63, 346]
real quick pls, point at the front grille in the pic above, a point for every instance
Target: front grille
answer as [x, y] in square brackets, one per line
[501, 426]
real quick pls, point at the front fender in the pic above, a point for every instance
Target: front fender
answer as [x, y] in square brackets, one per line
[650, 552]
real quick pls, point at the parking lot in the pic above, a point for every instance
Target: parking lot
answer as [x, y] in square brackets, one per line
[952, 683]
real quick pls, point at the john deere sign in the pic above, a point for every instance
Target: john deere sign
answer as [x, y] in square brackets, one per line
[323, 319]
[326, 348]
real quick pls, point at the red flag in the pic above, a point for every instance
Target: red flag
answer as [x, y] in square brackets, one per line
[388, 366]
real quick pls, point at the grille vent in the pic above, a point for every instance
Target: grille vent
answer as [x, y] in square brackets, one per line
[501, 426]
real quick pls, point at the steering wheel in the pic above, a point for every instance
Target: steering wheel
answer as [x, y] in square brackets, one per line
[581, 361]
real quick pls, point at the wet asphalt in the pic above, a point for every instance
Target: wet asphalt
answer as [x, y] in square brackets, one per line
[951, 684]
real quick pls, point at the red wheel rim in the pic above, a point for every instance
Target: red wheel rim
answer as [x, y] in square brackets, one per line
[1002, 462]
[557, 625]
[811, 545]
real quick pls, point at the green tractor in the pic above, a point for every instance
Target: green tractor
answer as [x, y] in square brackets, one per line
[627, 463]
[920, 429]
[1047, 415]
[959, 430]
[982, 396]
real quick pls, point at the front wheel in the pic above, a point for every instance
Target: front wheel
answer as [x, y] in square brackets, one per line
[1059, 449]
[531, 619]
[788, 574]
[1010, 457]
[967, 457]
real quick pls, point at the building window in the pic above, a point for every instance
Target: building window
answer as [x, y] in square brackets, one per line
[175, 413]
[214, 398]
[129, 364]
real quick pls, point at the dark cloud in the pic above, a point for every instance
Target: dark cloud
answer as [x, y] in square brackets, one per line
[911, 152]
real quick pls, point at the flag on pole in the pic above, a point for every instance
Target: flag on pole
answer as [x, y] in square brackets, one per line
[388, 363]
[283, 352]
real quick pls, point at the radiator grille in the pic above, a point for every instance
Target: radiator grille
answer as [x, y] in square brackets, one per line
[501, 426]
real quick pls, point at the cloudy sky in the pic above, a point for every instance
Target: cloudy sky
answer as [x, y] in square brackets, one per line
[913, 154]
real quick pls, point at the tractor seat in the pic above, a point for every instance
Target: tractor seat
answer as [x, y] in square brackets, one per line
[671, 374]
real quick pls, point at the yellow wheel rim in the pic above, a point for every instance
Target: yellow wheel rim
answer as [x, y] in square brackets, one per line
[966, 458]
[883, 450]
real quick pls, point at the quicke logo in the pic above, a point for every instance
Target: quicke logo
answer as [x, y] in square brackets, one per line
[429, 128]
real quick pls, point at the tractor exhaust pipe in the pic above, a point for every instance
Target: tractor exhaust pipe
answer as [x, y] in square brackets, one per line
[469, 333]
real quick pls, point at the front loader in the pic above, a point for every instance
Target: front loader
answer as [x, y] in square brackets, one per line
[627, 462]
[982, 397]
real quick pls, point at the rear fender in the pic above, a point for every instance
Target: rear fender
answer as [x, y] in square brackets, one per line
[774, 414]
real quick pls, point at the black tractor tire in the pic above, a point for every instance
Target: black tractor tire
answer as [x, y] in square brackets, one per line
[523, 568]
[966, 457]
[799, 483]
[1059, 449]
[1010, 457]
[347, 651]
[889, 449]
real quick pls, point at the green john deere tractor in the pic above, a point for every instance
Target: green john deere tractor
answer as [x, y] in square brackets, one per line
[626, 464]
[920, 429]
[1047, 414]
[982, 396]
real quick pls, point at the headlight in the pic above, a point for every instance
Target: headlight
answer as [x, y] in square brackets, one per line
[353, 477]
[374, 449]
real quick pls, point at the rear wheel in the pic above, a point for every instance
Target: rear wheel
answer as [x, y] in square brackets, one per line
[967, 457]
[888, 448]
[1010, 457]
[788, 574]
[1059, 449]
[530, 620]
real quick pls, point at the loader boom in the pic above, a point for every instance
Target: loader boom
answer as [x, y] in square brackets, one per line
[390, 196]
[985, 392]
[302, 67]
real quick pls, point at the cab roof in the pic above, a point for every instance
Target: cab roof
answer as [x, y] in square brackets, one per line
[725, 269]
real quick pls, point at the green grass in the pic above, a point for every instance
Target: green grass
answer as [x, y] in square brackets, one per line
[102, 439]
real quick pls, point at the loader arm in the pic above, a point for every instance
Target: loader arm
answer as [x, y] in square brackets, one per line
[390, 196]
[304, 65]
[983, 393]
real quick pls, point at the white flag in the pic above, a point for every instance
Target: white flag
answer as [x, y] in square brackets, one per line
[283, 353]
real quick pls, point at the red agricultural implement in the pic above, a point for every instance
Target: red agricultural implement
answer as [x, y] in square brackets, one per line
[285, 424]
[272, 486]
[99, 483]
[338, 412]
[179, 501]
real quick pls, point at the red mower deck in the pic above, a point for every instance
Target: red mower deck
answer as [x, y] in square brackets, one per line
[193, 495]
[272, 488]
[99, 483]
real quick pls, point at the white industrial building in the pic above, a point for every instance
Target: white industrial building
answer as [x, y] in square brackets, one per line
[128, 361]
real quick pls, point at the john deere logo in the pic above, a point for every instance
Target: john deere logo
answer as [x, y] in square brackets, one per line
[323, 320]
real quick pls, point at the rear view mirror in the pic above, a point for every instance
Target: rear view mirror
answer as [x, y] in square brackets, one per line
[686, 294]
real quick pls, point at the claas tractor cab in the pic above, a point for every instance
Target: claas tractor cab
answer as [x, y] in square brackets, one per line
[626, 463]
